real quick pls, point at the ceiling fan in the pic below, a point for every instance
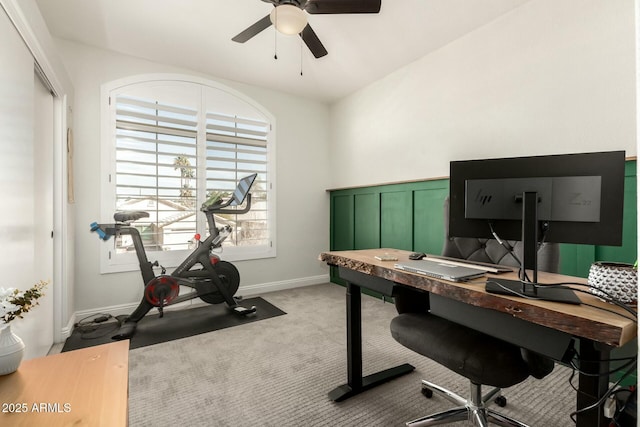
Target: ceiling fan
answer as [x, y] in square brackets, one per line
[286, 12]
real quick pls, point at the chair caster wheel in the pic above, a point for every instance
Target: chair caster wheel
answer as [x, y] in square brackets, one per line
[501, 401]
[427, 392]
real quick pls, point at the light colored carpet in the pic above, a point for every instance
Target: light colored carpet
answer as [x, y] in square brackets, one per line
[277, 372]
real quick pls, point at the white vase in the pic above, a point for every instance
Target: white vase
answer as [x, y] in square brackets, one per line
[11, 350]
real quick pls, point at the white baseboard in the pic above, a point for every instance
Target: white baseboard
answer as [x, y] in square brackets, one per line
[67, 329]
[244, 291]
[263, 288]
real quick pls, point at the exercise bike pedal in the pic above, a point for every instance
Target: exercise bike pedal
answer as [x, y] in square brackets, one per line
[243, 311]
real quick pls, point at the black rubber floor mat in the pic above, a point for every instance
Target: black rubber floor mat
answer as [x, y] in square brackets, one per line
[175, 324]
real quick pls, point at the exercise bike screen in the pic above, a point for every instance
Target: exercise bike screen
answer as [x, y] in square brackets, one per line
[241, 191]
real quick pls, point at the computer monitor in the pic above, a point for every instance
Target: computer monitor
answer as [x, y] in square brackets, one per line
[567, 198]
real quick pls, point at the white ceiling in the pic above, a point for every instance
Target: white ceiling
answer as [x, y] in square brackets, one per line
[196, 34]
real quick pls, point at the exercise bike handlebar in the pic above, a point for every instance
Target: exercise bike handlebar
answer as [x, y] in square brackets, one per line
[102, 234]
[214, 209]
[220, 208]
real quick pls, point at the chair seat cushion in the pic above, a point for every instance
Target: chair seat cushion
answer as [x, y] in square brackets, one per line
[481, 358]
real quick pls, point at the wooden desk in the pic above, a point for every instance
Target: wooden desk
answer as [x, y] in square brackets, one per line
[548, 327]
[87, 387]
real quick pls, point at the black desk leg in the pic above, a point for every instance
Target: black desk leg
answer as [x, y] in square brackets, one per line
[356, 383]
[593, 360]
[354, 336]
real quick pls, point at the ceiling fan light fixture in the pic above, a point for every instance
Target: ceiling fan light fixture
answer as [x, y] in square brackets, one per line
[288, 19]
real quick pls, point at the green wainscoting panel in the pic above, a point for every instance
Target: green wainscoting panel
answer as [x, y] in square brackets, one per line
[342, 223]
[396, 220]
[574, 259]
[367, 221]
[405, 216]
[428, 226]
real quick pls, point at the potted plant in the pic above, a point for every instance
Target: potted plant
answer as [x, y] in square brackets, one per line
[13, 304]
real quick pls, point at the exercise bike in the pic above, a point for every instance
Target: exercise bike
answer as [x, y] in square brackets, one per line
[213, 281]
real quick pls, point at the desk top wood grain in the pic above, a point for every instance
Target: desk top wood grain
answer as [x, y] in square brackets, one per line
[87, 387]
[594, 323]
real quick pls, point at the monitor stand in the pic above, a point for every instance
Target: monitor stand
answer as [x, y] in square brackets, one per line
[539, 292]
[530, 226]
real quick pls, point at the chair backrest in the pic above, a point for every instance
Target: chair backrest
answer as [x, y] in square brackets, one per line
[490, 251]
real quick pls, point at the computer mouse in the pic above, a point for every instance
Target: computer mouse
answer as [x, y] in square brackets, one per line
[417, 255]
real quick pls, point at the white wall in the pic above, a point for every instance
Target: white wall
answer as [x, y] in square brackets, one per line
[302, 177]
[550, 77]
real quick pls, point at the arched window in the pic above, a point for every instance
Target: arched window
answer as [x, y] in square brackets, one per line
[169, 144]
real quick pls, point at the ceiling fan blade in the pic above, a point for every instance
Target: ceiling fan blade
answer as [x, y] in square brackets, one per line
[313, 42]
[342, 6]
[259, 26]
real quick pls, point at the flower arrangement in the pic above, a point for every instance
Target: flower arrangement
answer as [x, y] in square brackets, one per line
[14, 303]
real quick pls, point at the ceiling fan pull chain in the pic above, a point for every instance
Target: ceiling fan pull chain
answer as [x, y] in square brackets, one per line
[275, 39]
[301, 48]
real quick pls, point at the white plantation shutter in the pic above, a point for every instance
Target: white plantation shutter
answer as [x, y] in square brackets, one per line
[169, 155]
[156, 164]
[237, 147]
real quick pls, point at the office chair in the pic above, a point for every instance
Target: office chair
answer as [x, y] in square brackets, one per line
[481, 358]
[492, 252]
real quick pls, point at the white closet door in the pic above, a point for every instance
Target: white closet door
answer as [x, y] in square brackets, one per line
[21, 264]
[40, 322]
[16, 159]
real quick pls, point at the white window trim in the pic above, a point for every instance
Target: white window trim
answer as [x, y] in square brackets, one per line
[171, 259]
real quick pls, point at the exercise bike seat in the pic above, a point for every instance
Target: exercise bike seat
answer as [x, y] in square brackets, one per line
[129, 216]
